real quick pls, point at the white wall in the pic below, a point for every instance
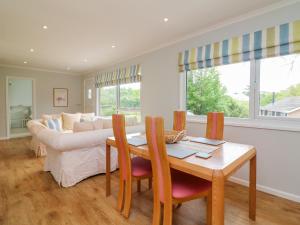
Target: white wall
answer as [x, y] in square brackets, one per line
[45, 82]
[278, 151]
[20, 92]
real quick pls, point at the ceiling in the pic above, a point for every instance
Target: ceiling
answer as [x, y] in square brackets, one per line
[81, 33]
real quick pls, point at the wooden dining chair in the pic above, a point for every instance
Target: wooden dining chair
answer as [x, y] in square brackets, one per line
[170, 186]
[179, 120]
[135, 168]
[215, 125]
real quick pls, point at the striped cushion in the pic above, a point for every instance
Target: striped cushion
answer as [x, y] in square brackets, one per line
[54, 124]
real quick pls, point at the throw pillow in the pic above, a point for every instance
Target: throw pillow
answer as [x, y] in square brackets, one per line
[54, 124]
[87, 117]
[83, 126]
[46, 117]
[69, 120]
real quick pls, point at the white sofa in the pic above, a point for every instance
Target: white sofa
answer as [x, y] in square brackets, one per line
[72, 157]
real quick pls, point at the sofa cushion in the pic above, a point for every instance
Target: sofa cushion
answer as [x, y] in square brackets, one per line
[83, 126]
[87, 117]
[54, 124]
[46, 117]
[98, 124]
[107, 122]
[129, 121]
[86, 126]
[69, 120]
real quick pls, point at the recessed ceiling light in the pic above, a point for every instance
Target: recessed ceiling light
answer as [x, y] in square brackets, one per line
[45, 27]
[85, 60]
[113, 46]
[166, 19]
[31, 50]
[25, 62]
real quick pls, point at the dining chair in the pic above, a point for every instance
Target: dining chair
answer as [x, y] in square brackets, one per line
[215, 125]
[171, 187]
[179, 120]
[135, 168]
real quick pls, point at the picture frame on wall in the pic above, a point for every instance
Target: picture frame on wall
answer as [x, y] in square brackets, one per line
[60, 97]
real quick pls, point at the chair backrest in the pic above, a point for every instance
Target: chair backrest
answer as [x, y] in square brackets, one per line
[118, 122]
[179, 120]
[215, 125]
[159, 158]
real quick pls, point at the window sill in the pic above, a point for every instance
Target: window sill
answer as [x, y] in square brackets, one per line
[268, 124]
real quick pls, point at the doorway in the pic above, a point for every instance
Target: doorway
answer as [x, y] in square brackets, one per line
[20, 105]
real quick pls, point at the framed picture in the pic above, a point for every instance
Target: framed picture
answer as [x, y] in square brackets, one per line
[60, 97]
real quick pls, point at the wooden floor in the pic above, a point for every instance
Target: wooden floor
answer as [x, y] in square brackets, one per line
[32, 197]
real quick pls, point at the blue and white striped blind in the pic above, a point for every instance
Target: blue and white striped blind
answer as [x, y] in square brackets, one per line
[274, 41]
[126, 75]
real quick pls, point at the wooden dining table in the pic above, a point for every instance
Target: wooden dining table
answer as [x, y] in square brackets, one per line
[225, 160]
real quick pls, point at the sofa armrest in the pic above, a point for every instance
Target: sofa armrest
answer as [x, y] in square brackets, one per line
[67, 142]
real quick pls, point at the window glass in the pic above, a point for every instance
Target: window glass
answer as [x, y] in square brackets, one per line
[223, 88]
[130, 100]
[280, 86]
[108, 100]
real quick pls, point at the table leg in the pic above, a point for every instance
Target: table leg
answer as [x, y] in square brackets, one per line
[107, 170]
[218, 198]
[252, 189]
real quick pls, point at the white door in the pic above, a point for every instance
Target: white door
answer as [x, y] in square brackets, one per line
[89, 95]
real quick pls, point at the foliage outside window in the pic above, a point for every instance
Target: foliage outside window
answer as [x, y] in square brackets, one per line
[223, 88]
[274, 87]
[124, 98]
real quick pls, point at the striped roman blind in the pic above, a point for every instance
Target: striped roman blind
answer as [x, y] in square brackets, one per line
[125, 75]
[274, 41]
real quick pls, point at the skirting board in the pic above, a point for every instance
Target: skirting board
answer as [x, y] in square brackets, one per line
[16, 136]
[272, 191]
[4, 138]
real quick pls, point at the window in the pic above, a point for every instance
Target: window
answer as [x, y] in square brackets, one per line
[223, 88]
[130, 100]
[108, 100]
[279, 92]
[259, 89]
[124, 98]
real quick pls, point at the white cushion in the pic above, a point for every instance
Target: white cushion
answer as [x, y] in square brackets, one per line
[107, 122]
[83, 126]
[86, 126]
[98, 124]
[129, 121]
[87, 117]
[69, 120]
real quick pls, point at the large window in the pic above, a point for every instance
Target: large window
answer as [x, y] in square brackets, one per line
[256, 89]
[124, 98]
[222, 88]
[280, 87]
[108, 100]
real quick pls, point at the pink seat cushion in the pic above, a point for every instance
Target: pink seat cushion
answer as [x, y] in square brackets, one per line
[185, 185]
[140, 167]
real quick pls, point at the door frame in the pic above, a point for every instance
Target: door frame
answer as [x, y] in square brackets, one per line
[94, 97]
[8, 134]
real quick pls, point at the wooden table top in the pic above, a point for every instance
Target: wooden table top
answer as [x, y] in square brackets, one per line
[228, 157]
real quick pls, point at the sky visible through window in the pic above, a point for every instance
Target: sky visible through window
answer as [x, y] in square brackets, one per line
[236, 78]
[277, 74]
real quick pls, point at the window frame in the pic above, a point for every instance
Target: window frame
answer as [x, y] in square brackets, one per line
[254, 120]
[118, 100]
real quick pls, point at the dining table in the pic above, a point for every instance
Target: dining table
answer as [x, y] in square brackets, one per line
[225, 159]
